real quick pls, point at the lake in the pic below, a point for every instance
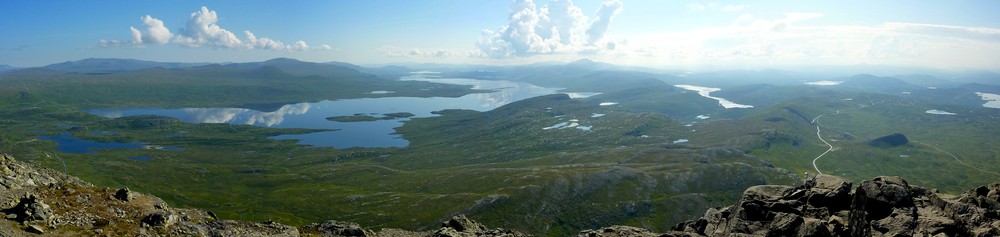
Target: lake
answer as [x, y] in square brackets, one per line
[66, 143]
[379, 133]
[706, 92]
[992, 100]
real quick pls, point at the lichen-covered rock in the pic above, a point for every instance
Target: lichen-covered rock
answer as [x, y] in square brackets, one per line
[337, 228]
[30, 210]
[160, 219]
[463, 226]
[826, 206]
[618, 231]
[124, 194]
[244, 228]
[884, 206]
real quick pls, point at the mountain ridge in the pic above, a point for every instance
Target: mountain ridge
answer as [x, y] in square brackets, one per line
[110, 65]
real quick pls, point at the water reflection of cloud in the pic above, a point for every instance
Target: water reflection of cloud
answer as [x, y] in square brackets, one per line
[274, 118]
[506, 91]
[245, 116]
[361, 134]
[214, 115]
[512, 91]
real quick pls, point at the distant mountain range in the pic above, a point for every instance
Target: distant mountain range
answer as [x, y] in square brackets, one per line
[578, 74]
[109, 65]
[4, 68]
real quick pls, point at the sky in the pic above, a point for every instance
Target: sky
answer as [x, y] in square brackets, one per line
[946, 34]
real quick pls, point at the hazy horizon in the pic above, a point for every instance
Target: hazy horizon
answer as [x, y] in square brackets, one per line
[954, 35]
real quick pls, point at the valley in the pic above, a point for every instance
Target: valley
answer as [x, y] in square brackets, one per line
[513, 147]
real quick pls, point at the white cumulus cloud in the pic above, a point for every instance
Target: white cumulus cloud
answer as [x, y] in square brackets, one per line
[156, 32]
[559, 26]
[202, 30]
[600, 26]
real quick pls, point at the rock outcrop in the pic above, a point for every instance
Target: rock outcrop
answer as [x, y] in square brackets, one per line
[38, 201]
[826, 206]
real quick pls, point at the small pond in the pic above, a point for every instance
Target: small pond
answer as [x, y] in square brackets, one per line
[66, 143]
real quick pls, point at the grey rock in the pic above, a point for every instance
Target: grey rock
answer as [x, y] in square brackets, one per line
[826, 206]
[618, 231]
[124, 194]
[35, 229]
[339, 228]
[30, 209]
[160, 219]
[883, 205]
[814, 227]
[463, 226]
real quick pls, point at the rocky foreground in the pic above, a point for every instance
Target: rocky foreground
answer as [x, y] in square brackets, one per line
[40, 201]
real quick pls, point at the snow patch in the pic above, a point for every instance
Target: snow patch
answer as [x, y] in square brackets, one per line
[939, 112]
[556, 126]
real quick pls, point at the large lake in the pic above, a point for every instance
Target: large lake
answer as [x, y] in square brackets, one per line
[354, 134]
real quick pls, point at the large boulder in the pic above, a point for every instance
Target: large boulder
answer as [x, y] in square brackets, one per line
[883, 205]
[337, 228]
[826, 206]
[463, 226]
[618, 231]
[160, 219]
[30, 209]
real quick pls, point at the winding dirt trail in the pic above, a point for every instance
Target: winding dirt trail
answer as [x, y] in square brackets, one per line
[959, 160]
[832, 148]
[814, 121]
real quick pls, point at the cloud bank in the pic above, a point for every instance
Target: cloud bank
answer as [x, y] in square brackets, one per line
[715, 6]
[202, 30]
[557, 27]
[794, 39]
[398, 52]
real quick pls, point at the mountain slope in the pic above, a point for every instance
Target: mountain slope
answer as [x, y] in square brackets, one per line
[260, 85]
[40, 201]
[876, 84]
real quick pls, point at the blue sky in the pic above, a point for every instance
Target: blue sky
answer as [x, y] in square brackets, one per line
[952, 34]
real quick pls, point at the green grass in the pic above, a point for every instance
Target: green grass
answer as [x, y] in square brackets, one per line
[500, 167]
